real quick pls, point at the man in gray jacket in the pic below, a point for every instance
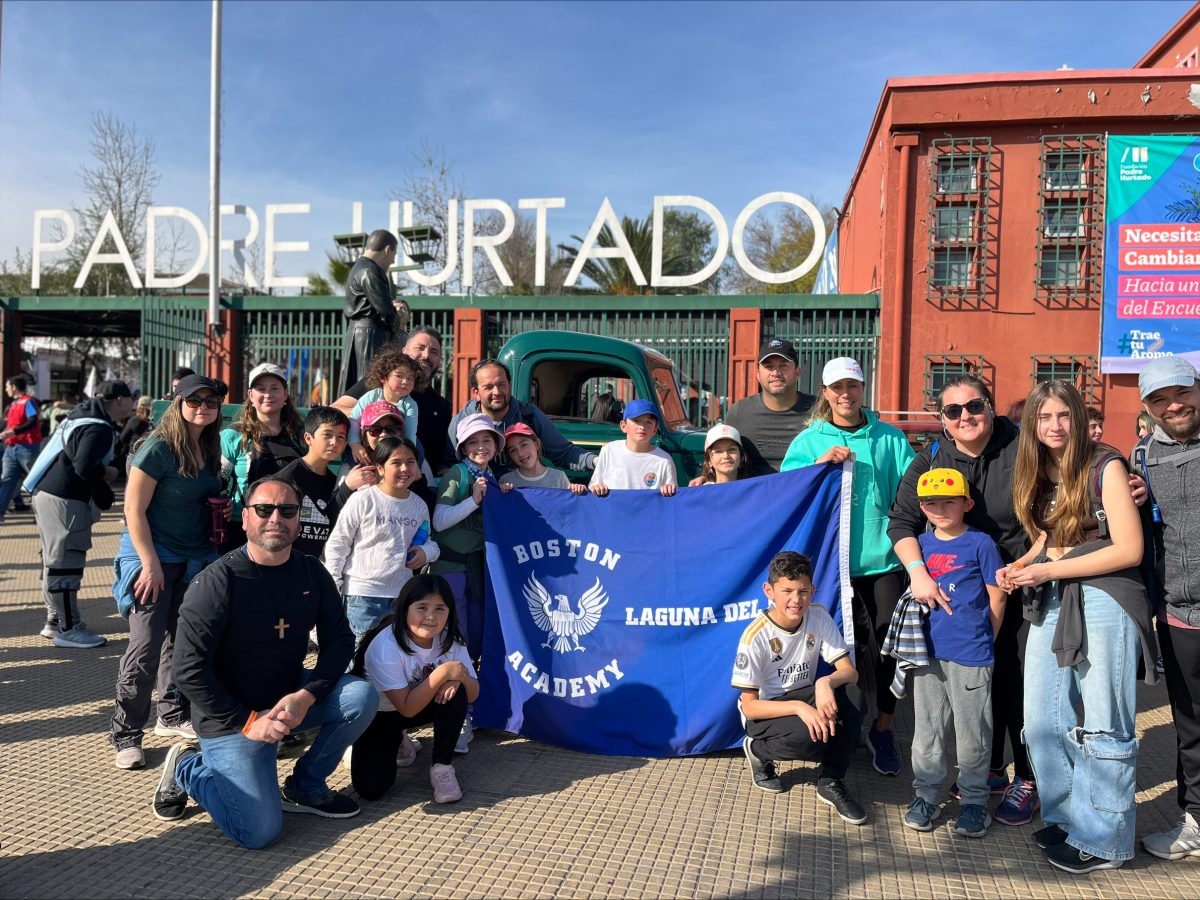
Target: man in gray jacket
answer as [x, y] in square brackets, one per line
[1169, 460]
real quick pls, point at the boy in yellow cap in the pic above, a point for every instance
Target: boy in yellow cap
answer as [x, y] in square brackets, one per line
[958, 679]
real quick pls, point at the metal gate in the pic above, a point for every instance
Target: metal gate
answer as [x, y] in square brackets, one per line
[174, 333]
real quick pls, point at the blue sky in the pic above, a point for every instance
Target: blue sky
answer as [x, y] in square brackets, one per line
[326, 103]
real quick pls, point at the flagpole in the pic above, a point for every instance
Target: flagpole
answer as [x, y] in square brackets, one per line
[214, 175]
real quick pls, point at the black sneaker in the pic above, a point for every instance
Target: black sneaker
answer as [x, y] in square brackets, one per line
[1050, 836]
[326, 803]
[1073, 860]
[170, 800]
[833, 793]
[764, 772]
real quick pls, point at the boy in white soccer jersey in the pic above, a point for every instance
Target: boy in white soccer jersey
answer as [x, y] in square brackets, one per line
[788, 712]
[634, 463]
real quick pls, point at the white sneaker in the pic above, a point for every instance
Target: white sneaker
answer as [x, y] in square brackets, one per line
[1178, 843]
[131, 758]
[79, 637]
[49, 630]
[183, 730]
[445, 784]
[465, 737]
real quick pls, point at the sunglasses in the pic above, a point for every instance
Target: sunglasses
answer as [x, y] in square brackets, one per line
[381, 430]
[195, 402]
[954, 411]
[286, 510]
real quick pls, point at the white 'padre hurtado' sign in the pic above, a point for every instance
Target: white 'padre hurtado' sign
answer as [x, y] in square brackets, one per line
[471, 242]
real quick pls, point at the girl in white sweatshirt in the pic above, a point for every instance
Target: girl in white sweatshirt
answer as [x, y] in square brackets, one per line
[381, 537]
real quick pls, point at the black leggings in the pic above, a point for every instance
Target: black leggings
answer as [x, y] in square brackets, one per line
[373, 759]
[874, 601]
[1008, 690]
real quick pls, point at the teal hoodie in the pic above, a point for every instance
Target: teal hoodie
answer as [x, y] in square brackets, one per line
[881, 456]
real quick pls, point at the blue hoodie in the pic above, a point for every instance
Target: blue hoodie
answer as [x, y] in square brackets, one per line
[881, 456]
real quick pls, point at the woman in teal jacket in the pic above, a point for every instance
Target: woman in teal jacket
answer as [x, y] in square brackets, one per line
[838, 427]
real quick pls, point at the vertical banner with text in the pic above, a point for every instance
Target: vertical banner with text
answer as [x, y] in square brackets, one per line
[1151, 251]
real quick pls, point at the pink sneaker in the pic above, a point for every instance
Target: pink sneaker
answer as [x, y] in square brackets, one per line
[407, 754]
[445, 784]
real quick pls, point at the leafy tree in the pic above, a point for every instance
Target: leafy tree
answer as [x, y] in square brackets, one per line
[779, 243]
[612, 276]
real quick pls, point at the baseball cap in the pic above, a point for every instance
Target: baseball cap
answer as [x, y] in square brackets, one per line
[266, 369]
[1166, 371]
[380, 409]
[189, 384]
[942, 483]
[111, 390]
[519, 430]
[639, 408]
[722, 433]
[473, 424]
[778, 347]
[842, 367]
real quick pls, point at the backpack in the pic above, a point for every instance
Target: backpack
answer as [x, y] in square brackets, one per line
[58, 444]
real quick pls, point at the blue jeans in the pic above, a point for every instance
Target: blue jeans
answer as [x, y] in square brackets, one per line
[1085, 771]
[469, 610]
[18, 459]
[235, 778]
[364, 613]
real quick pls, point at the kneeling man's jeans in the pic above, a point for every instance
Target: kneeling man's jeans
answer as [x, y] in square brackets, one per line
[235, 779]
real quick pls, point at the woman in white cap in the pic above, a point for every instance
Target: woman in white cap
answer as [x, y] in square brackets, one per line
[266, 435]
[724, 456]
[839, 428]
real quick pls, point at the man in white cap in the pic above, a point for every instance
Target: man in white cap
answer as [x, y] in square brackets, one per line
[1169, 460]
[770, 419]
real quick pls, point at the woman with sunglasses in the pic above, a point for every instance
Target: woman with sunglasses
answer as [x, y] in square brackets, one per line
[266, 436]
[380, 420]
[983, 447]
[167, 543]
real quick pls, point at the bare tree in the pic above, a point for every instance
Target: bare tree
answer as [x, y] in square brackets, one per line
[430, 183]
[122, 179]
[778, 243]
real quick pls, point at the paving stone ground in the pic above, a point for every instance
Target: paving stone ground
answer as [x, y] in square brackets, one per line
[536, 821]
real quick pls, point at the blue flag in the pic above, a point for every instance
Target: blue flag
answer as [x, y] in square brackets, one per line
[616, 619]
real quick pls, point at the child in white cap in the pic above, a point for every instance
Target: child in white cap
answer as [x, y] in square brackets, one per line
[724, 457]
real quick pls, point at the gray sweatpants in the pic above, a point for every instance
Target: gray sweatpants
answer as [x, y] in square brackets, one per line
[65, 527]
[940, 689]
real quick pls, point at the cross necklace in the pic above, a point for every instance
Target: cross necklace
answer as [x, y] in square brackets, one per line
[283, 624]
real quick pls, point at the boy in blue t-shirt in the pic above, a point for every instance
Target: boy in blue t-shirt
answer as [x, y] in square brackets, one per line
[958, 679]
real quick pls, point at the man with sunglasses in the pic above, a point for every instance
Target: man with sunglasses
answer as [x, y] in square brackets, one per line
[239, 658]
[491, 385]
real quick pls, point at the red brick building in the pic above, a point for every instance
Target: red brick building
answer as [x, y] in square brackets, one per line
[976, 213]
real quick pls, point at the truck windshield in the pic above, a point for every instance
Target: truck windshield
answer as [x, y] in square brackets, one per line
[667, 390]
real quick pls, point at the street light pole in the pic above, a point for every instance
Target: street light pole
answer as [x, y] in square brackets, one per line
[214, 176]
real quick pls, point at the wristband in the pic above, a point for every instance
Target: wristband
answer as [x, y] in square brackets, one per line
[912, 565]
[1016, 565]
[249, 722]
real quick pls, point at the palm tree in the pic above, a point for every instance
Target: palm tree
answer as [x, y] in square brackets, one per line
[612, 276]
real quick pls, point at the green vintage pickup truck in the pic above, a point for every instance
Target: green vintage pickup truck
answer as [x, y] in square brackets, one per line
[583, 381]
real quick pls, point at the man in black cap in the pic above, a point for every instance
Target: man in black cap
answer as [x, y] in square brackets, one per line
[370, 315]
[770, 419]
[70, 486]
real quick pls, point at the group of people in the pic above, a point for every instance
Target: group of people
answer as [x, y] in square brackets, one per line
[1000, 541]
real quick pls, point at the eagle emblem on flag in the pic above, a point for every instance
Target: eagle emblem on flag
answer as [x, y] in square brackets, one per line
[562, 626]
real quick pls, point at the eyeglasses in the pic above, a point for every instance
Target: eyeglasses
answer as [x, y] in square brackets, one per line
[381, 430]
[286, 510]
[954, 411]
[195, 402]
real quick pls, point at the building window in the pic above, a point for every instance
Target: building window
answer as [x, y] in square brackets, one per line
[1064, 220]
[963, 190]
[952, 267]
[954, 224]
[1077, 370]
[956, 175]
[1060, 267]
[1189, 60]
[940, 369]
[1070, 239]
[1066, 171]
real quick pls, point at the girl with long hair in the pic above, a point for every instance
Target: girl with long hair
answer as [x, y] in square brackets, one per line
[167, 542]
[840, 427]
[1089, 619]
